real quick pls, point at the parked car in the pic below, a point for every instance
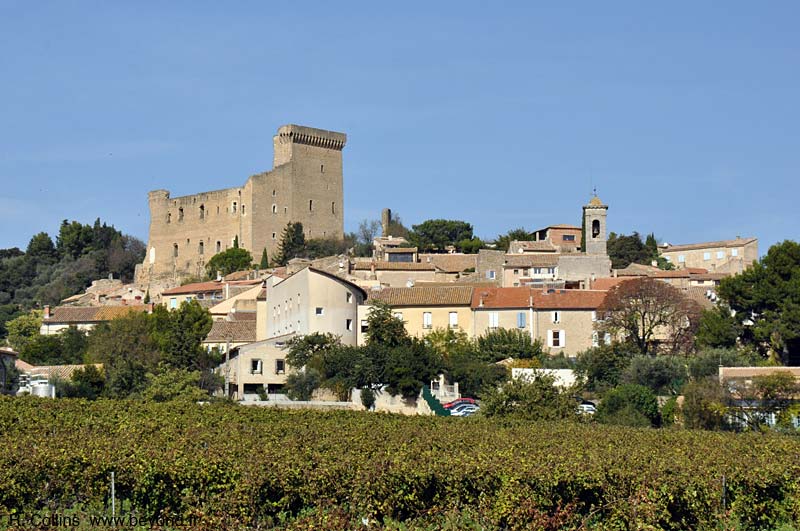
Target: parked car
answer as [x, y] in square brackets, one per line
[458, 402]
[464, 410]
[587, 409]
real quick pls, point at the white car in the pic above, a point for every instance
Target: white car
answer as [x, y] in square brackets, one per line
[587, 409]
[464, 410]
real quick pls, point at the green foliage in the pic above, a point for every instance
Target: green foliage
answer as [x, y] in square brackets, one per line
[301, 385]
[24, 329]
[293, 243]
[383, 327]
[264, 263]
[704, 404]
[42, 250]
[768, 294]
[706, 363]
[504, 240]
[629, 405]
[664, 375]
[463, 362]
[717, 328]
[436, 234]
[88, 383]
[409, 367]
[304, 349]
[229, 261]
[536, 398]
[367, 398]
[504, 343]
[625, 250]
[180, 334]
[296, 470]
[602, 366]
[322, 247]
[7, 313]
[174, 384]
[44, 350]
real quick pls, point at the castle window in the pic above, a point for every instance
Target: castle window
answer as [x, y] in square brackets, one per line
[333, 207]
[310, 205]
[595, 228]
[200, 248]
[169, 217]
[273, 235]
[285, 210]
[233, 207]
[219, 246]
[274, 193]
[218, 210]
[322, 168]
[202, 212]
[243, 209]
[175, 250]
[274, 209]
[180, 214]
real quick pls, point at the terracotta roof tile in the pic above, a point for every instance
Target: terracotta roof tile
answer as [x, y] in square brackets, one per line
[394, 266]
[235, 331]
[91, 314]
[451, 263]
[205, 287]
[605, 284]
[63, 372]
[423, 296]
[530, 260]
[543, 246]
[523, 296]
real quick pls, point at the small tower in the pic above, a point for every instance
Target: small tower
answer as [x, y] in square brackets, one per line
[594, 225]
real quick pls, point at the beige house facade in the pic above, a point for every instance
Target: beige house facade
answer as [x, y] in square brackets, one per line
[85, 318]
[726, 256]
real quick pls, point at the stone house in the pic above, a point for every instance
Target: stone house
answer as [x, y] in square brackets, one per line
[423, 309]
[55, 320]
[726, 256]
[208, 294]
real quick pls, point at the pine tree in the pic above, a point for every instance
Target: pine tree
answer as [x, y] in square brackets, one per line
[264, 260]
[293, 242]
[236, 242]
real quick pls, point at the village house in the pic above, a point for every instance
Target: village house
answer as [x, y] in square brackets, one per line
[55, 320]
[207, 293]
[726, 256]
[423, 309]
[563, 320]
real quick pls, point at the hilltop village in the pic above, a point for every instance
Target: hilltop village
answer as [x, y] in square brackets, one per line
[275, 280]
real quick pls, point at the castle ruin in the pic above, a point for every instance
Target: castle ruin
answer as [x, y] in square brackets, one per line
[305, 185]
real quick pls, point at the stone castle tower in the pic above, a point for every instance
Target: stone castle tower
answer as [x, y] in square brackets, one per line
[305, 185]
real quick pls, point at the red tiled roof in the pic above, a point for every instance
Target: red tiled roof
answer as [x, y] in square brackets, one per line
[63, 372]
[530, 260]
[424, 296]
[542, 246]
[451, 263]
[394, 266]
[235, 331]
[605, 284]
[91, 314]
[739, 242]
[523, 296]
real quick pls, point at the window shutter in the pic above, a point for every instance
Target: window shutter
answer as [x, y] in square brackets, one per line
[563, 337]
[549, 338]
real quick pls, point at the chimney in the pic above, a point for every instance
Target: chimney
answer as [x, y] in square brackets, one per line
[47, 311]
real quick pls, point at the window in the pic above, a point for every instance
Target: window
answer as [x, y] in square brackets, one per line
[720, 254]
[681, 259]
[280, 366]
[607, 338]
[274, 209]
[169, 217]
[494, 320]
[274, 193]
[234, 205]
[427, 320]
[556, 338]
[310, 205]
[706, 256]
[173, 303]
[175, 250]
[219, 246]
[243, 209]
[537, 270]
[202, 212]
[521, 320]
[200, 248]
[180, 214]
[594, 315]
[569, 237]
[364, 325]
[556, 317]
[273, 235]
[319, 311]
[526, 272]
[551, 270]
[349, 297]
[453, 319]
[595, 339]
[322, 168]
[255, 366]
[398, 315]
[333, 207]
[734, 252]
[516, 271]
[490, 275]
[595, 228]
[348, 324]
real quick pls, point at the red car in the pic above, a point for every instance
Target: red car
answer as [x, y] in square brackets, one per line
[458, 402]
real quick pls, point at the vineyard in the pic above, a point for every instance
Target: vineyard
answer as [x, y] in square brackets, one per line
[228, 467]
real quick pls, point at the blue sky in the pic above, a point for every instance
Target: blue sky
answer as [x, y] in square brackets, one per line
[684, 115]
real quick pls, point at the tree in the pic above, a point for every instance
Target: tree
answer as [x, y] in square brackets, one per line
[624, 250]
[536, 398]
[437, 234]
[410, 366]
[303, 350]
[264, 263]
[23, 329]
[629, 405]
[707, 362]
[649, 313]
[43, 350]
[664, 375]
[601, 367]
[301, 385]
[470, 245]
[766, 302]
[180, 337]
[88, 382]
[293, 242]
[42, 250]
[367, 231]
[229, 261]
[383, 328]
[503, 241]
[717, 328]
[322, 247]
[174, 384]
[704, 405]
[504, 343]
